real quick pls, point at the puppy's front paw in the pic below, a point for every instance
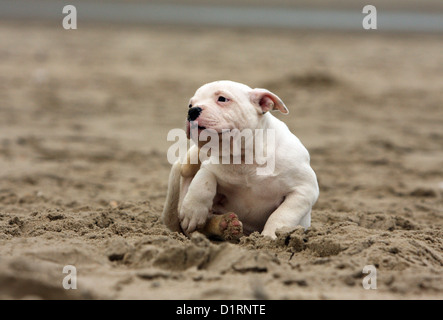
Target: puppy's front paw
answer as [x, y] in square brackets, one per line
[193, 217]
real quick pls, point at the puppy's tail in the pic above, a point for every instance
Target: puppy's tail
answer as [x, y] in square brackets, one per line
[170, 209]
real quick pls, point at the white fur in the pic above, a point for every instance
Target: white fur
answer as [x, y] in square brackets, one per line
[262, 203]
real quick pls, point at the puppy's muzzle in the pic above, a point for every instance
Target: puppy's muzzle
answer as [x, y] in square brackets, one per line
[194, 113]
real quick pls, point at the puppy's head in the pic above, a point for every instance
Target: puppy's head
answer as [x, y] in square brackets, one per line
[230, 105]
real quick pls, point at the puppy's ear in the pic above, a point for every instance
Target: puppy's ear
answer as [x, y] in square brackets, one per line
[265, 100]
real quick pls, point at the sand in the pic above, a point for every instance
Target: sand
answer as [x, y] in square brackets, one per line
[83, 170]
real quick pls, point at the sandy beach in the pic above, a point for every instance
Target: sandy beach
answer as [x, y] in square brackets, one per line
[84, 117]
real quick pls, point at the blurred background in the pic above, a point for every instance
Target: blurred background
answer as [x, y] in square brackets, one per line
[84, 116]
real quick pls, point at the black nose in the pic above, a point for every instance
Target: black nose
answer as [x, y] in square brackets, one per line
[193, 113]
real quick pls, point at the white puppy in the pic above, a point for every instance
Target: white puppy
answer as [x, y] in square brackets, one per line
[221, 199]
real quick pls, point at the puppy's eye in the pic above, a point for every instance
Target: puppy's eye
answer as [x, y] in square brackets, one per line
[190, 106]
[222, 99]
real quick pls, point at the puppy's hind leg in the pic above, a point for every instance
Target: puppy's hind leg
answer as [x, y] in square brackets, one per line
[180, 178]
[170, 210]
[223, 226]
